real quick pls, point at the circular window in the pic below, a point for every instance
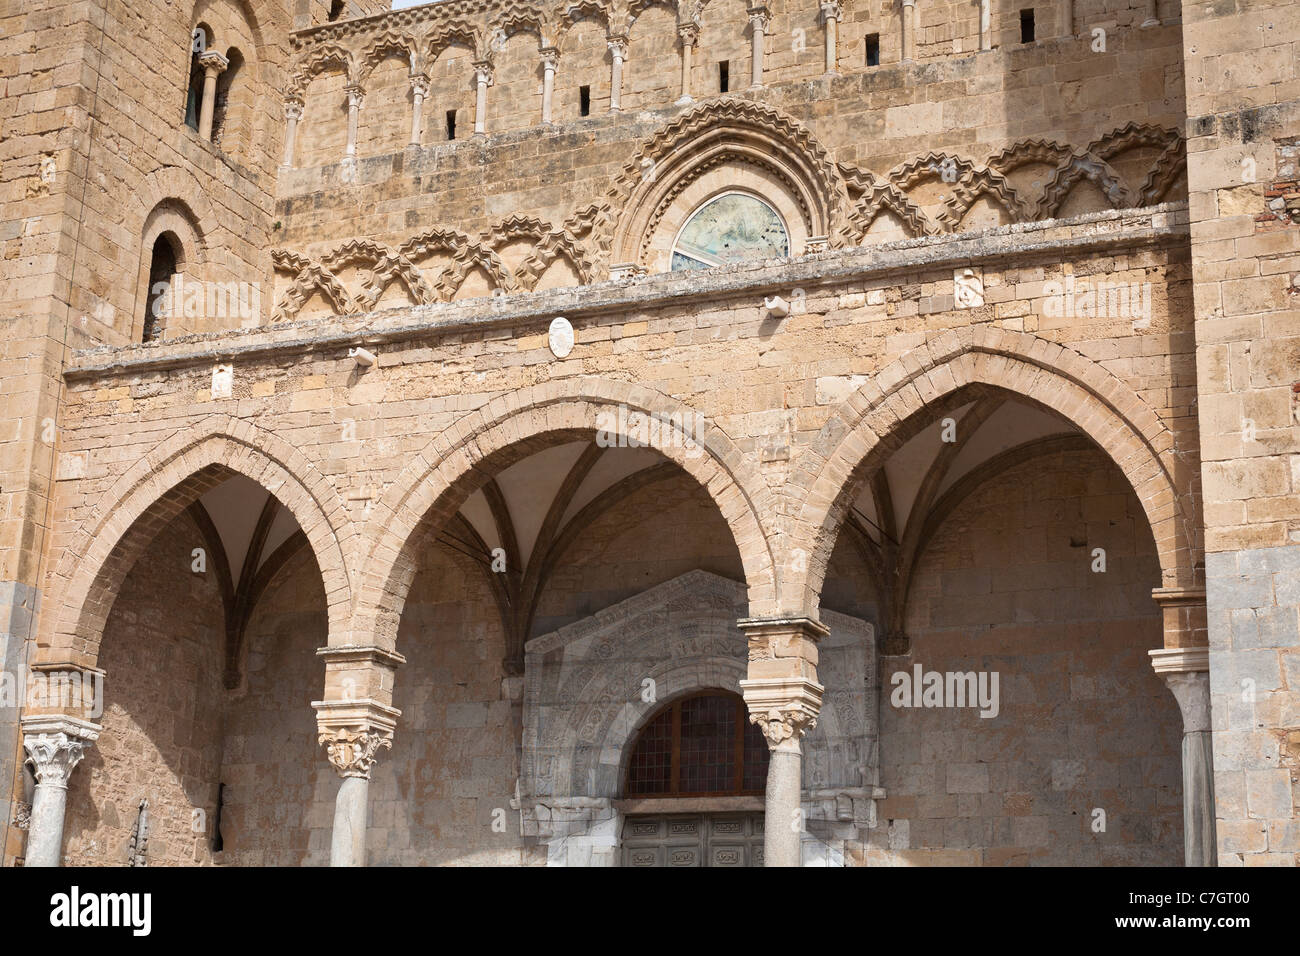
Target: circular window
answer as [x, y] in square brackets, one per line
[699, 746]
[730, 228]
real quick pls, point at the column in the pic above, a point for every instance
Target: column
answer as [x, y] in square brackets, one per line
[909, 30]
[986, 25]
[419, 90]
[352, 733]
[483, 77]
[831, 13]
[689, 35]
[550, 61]
[1187, 674]
[1184, 664]
[758, 29]
[292, 114]
[54, 746]
[214, 64]
[783, 699]
[1152, 18]
[356, 98]
[617, 53]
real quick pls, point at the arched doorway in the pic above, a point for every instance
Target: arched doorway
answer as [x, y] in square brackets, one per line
[702, 762]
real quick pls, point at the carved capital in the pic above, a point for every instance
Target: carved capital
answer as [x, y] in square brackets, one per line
[618, 47]
[213, 63]
[420, 85]
[55, 745]
[356, 96]
[1186, 672]
[832, 10]
[293, 107]
[689, 34]
[483, 73]
[353, 752]
[758, 16]
[352, 731]
[550, 59]
[784, 709]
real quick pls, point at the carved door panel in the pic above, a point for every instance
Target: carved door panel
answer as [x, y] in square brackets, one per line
[710, 839]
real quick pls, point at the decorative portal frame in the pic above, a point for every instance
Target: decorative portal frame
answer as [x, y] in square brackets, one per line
[589, 688]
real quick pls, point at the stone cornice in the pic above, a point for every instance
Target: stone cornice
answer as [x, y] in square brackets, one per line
[1015, 245]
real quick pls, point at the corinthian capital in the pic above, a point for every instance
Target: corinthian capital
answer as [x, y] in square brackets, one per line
[783, 708]
[353, 752]
[55, 745]
[353, 731]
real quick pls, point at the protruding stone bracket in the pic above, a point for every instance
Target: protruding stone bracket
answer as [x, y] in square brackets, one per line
[1186, 624]
[356, 672]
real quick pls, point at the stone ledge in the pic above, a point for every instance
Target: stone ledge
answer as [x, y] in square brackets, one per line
[1015, 244]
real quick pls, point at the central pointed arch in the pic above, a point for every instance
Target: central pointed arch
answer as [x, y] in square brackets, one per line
[507, 429]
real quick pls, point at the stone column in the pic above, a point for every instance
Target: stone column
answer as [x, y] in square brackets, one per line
[214, 64]
[550, 61]
[483, 77]
[54, 745]
[831, 13]
[419, 90]
[758, 17]
[354, 722]
[352, 733]
[356, 99]
[292, 114]
[1152, 18]
[617, 54]
[986, 25]
[689, 35]
[1184, 664]
[909, 30]
[784, 699]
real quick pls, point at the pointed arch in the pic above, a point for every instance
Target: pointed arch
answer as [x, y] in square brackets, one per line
[865, 429]
[106, 544]
[510, 427]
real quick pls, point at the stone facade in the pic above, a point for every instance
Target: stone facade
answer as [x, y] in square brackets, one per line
[301, 470]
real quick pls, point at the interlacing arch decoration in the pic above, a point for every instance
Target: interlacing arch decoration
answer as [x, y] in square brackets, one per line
[385, 267]
[309, 278]
[106, 542]
[874, 422]
[549, 244]
[511, 427]
[388, 265]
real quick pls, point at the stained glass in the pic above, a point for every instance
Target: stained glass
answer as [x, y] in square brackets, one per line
[732, 227]
[692, 748]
